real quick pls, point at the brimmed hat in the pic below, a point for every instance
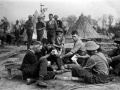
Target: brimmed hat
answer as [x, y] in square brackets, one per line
[30, 16]
[55, 16]
[117, 40]
[39, 17]
[91, 45]
[59, 30]
[37, 43]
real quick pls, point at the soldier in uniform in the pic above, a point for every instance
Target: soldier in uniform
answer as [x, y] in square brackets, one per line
[59, 41]
[17, 32]
[51, 28]
[59, 23]
[115, 58]
[30, 27]
[40, 26]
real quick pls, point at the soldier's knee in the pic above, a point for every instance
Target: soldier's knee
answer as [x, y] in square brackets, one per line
[43, 59]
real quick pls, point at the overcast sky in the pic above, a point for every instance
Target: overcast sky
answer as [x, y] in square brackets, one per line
[17, 9]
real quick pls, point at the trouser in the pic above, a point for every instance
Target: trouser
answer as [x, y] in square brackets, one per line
[37, 70]
[39, 35]
[56, 59]
[115, 64]
[51, 36]
[29, 39]
[88, 76]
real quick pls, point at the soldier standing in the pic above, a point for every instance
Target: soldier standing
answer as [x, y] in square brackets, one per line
[40, 26]
[17, 32]
[30, 27]
[51, 27]
[59, 23]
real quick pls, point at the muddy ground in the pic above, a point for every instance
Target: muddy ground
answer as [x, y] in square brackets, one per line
[18, 84]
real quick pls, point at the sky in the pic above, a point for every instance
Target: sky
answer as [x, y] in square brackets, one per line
[18, 9]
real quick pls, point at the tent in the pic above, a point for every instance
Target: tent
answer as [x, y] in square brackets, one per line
[35, 15]
[85, 29]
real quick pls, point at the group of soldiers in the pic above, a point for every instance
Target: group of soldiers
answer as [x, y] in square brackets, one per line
[51, 27]
[88, 61]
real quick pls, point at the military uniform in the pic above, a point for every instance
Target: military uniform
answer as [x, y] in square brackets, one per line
[29, 26]
[17, 33]
[40, 27]
[51, 27]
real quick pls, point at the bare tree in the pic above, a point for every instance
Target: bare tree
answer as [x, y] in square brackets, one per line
[110, 20]
[63, 19]
[71, 20]
[22, 21]
[104, 21]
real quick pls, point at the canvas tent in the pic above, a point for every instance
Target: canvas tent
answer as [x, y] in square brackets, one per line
[84, 28]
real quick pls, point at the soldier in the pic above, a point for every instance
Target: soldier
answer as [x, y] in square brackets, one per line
[78, 46]
[40, 26]
[96, 69]
[30, 27]
[35, 70]
[115, 58]
[17, 32]
[59, 23]
[51, 27]
[59, 41]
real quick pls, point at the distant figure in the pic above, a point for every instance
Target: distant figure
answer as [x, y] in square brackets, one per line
[5, 25]
[8, 38]
[17, 33]
[30, 27]
[40, 26]
[51, 28]
[59, 23]
[65, 27]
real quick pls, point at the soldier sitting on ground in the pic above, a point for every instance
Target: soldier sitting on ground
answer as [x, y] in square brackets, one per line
[96, 69]
[35, 70]
[59, 41]
[114, 58]
[78, 46]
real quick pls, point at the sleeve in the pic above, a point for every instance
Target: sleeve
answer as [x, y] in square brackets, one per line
[43, 24]
[63, 40]
[111, 53]
[26, 25]
[55, 25]
[116, 58]
[76, 47]
[47, 26]
[61, 24]
[33, 59]
[36, 25]
[90, 64]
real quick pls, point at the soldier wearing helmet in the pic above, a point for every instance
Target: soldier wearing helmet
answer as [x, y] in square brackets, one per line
[59, 23]
[17, 32]
[40, 26]
[29, 27]
[51, 27]
[96, 69]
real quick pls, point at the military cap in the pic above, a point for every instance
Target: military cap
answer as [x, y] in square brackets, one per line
[30, 16]
[59, 30]
[55, 16]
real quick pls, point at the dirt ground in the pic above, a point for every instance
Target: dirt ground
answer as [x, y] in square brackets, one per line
[18, 84]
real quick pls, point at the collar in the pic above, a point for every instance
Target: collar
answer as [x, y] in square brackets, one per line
[52, 19]
[31, 51]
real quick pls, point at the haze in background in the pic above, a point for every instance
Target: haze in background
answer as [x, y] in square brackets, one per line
[17, 9]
